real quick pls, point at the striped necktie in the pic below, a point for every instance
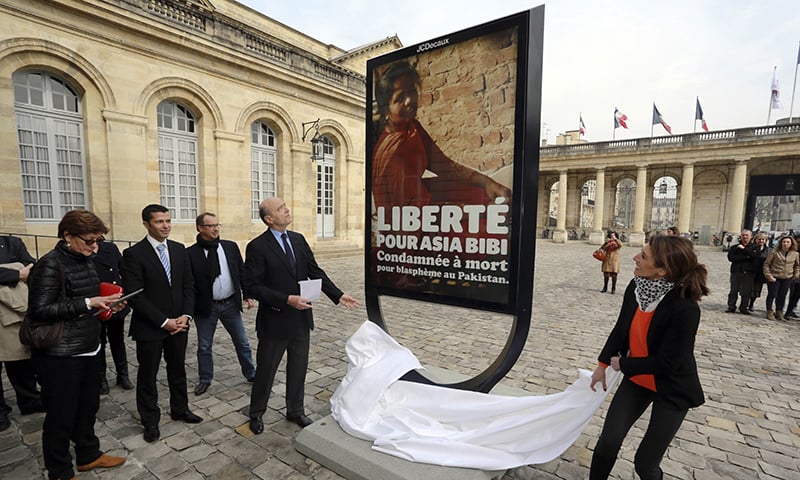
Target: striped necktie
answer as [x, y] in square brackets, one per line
[162, 255]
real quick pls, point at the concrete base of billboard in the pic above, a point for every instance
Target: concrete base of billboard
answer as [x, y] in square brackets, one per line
[327, 444]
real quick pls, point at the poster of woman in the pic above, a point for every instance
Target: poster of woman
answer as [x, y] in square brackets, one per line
[443, 142]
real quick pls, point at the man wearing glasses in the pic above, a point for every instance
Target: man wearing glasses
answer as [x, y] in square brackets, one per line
[218, 271]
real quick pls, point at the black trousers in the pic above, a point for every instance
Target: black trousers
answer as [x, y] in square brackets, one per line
[148, 353]
[741, 285]
[22, 375]
[114, 331]
[628, 405]
[71, 398]
[268, 358]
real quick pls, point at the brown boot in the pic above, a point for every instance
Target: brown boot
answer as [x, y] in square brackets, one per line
[770, 315]
[103, 461]
[779, 315]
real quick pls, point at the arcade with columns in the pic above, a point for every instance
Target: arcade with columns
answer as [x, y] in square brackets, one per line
[703, 183]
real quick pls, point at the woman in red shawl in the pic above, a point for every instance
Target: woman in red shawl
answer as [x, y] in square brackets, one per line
[404, 151]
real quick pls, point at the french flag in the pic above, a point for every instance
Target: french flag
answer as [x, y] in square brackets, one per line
[620, 119]
[698, 115]
[658, 118]
[581, 126]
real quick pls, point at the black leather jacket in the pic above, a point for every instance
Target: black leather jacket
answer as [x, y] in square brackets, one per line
[61, 268]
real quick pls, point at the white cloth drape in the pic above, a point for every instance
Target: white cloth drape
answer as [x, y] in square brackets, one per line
[444, 426]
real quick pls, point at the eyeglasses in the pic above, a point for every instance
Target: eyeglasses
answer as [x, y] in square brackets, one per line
[89, 243]
[213, 225]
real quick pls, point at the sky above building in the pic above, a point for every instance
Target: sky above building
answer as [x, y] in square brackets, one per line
[602, 54]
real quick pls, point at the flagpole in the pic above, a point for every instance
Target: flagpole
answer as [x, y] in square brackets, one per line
[651, 122]
[794, 84]
[769, 112]
[696, 102]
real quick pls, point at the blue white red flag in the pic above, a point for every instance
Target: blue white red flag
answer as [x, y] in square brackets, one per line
[698, 115]
[620, 119]
[581, 126]
[658, 118]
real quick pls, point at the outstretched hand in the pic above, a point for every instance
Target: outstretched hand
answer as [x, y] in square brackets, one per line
[349, 302]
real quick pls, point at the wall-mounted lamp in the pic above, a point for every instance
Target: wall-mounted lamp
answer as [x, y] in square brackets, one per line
[317, 142]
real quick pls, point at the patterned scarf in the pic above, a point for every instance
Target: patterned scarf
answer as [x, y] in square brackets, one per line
[650, 292]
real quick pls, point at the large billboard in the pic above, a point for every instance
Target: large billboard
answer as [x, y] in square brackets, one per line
[452, 149]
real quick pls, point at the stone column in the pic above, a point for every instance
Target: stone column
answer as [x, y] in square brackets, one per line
[637, 235]
[560, 234]
[685, 206]
[596, 237]
[737, 197]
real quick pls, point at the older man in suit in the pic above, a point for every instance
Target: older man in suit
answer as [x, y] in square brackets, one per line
[161, 316]
[218, 269]
[275, 261]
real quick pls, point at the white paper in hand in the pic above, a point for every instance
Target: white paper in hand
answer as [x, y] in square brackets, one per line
[310, 289]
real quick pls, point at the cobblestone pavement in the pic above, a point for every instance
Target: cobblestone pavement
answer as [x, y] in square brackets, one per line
[748, 428]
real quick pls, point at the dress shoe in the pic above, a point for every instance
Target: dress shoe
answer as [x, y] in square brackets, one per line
[251, 379]
[187, 417]
[301, 420]
[151, 434]
[125, 382]
[731, 310]
[103, 386]
[201, 388]
[256, 425]
[103, 461]
[4, 422]
[744, 311]
[792, 315]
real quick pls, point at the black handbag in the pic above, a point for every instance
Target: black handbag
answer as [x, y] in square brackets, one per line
[41, 336]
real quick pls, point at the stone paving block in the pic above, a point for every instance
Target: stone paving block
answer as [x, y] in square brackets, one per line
[748, 368]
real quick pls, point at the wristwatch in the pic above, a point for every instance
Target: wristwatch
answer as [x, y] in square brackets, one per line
[88, 303]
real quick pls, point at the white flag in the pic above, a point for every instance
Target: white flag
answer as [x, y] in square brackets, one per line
[776, 93]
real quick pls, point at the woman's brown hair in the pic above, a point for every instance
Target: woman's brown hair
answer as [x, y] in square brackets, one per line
[676, 255]
[780, 240]
[81, 222]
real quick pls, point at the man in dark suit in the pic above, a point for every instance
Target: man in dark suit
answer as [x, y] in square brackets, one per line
[218, 269]
[276, 260]
[107, 263]
[161, 316]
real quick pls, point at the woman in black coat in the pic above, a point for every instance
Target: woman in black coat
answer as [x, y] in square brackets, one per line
[652, 344]
[63, 287]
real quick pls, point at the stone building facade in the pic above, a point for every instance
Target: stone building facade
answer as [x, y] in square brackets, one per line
[203, 105]
[196, 104]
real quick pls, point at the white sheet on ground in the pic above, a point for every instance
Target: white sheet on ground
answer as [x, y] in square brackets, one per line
[444, 426]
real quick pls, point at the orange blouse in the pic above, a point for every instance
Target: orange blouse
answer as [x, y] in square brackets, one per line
[638, 344]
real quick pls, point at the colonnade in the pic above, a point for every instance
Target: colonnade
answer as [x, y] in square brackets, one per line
[734, 207]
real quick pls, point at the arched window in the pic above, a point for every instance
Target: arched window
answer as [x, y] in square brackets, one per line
[588, 197]
[177, 160]
[50, 137]
[552, 211]
[624, 202]
[325, 189]
[263, 165]
[665, 194]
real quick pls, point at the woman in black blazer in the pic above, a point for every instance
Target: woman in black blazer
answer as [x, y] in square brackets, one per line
[652, 344]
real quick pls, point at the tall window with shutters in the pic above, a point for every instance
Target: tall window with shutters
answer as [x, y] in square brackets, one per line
[263, 165]
[177, 160]
[51, 150]
[325, 190]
